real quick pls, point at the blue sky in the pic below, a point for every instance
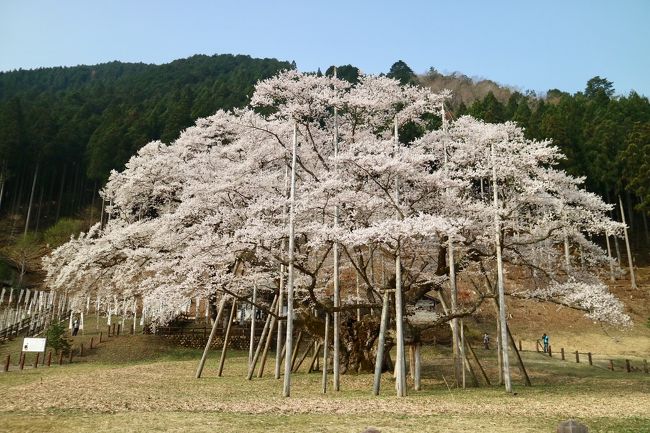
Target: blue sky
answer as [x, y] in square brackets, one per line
[536, 44]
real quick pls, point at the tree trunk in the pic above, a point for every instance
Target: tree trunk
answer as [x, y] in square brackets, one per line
[31, 201]
[627, 246]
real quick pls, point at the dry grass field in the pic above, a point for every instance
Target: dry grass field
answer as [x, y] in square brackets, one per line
[158, 392]
[140, 383]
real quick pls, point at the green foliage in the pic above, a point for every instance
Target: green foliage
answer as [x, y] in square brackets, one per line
[60, 232]
[346, 72]
[402, 72]
[56, 338]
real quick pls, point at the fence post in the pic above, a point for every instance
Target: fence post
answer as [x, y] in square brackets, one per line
[627, 365]
[119, 326]
[577, 356]
[520, 349]
[562, 352]
[91, 343]
[537, 345]
[550, 354]
[61, 358]
[22, 360]
[611, 365]
[589, 355]
[70, 359]
[7, 363]
[36, 359]
[113, 333]
[49, 357]
[108, 333]
[100, 337]
[645, 366]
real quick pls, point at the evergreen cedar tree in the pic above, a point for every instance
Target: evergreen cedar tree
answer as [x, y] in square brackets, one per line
[206, 214]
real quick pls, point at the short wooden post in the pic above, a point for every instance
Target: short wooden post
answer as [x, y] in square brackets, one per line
[22, 360]
[49, 358]
[645, 366]
[7, 361]
[81, 349]
[549, 351]
[70, 358]
[108, 333]
[91, 343]
[611, 365]
[131, 330]
[577, 356]
[589, 356]
[100, 337]
[119, 327]
[627, 365]
[61, 358]
[113, 333]
[537, 345]
[38, 354]
[204, 331]
[562, 352]
[520, 349]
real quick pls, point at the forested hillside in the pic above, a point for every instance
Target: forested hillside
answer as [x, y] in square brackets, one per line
[70, 126]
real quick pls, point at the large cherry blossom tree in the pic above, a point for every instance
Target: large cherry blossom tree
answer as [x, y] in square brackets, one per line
[207, 215]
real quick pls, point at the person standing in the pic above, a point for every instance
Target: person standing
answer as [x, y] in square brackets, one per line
[486, 341]
[545, 342]
[75, 327]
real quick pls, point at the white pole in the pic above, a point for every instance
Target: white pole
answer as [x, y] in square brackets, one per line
[500, 282]
[337, 289]
[250, 347]
[292, 199]
[278, 345]
[399, 316]
[609, 256]
[627, 246]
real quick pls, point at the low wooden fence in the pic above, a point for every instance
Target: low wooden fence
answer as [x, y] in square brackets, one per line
[588, 357]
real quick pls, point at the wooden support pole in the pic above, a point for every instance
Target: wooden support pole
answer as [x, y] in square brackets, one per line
[589, 356]
[412, 361]
[468, 367]
[61, 358]
[418, 366]
[91, 343]
[577, 356]
[22, 360]
[326, 343]
[562, 353]
[520, 349]
[314, 359]
[215, 325]
[471, 350]
[100, 337]
[550, 353]
[226, 338]
[628, 368]
[294, 355]
[381, 342]
[108, 332]
[258, 349]
[520, 362]
[49, 358]
[36, 359]
[7, 361]
[302, 358]
[119, 327]
[269, 338]
[611, 365]
[645, 366]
